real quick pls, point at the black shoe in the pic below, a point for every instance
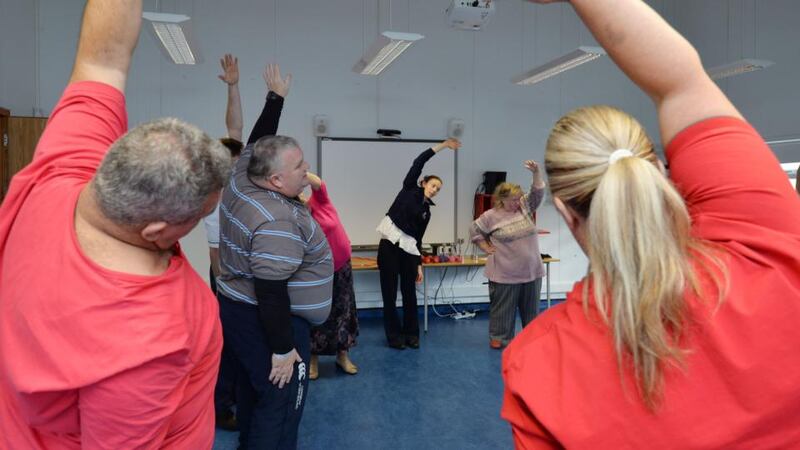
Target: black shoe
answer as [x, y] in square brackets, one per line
[227, 421]
[397, 344]
[412, 342]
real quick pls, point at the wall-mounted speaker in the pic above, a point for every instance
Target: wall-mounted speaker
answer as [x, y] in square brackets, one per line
[455, 129]
[321, 125]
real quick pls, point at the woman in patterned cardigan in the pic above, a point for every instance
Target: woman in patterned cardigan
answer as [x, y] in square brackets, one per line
[507, 233]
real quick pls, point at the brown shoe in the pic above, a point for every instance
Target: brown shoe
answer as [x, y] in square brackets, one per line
[496, 344]
[313, 368]
[344, 363]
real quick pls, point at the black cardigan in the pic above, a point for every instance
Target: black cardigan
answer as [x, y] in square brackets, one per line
[411, 211]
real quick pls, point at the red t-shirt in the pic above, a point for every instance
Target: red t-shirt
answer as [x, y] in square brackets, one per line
[93, 358]
[741, 384]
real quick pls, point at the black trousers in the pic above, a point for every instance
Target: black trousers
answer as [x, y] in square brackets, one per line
[268, 416]
[394, 263]
[225, 389]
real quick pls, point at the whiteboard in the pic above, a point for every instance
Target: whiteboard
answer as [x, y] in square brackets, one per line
[364, 176]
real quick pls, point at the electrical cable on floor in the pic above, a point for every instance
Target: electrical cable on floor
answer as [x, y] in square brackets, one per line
[456, 312]
[472, 247]
[469, 278]
[452, 288]
[436, 296]
[452, 284]
[472, 272]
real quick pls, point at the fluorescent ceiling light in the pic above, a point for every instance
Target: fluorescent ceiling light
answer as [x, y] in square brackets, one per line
[174, 32]
[562, 63]
[738, 67]
[387, 48]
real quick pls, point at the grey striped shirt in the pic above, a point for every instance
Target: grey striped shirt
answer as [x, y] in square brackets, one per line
[266, 235]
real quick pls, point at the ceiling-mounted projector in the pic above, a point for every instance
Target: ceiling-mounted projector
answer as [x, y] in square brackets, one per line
[469, 14]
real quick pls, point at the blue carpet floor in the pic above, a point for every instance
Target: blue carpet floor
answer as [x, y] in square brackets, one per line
[446, 395]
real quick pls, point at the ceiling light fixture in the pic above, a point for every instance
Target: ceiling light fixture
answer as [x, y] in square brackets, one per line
[738, 67]
[174, 32]
[389, 46]
[563, 63]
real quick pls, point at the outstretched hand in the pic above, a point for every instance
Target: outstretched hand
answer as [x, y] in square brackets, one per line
[313, 180]
[450, 143]
[538, 178]
[276, 83]
[230, 69]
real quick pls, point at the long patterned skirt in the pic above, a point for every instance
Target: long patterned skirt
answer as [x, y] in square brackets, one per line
[339, 332]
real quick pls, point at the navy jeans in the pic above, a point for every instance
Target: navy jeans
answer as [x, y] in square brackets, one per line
[268, 416]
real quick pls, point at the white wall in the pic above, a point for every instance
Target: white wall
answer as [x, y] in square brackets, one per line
[18, 57]
[449, 74]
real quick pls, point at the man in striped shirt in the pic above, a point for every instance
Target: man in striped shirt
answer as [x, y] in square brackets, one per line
[276, 277]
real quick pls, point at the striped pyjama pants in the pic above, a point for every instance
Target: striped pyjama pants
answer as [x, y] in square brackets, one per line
[504, 300]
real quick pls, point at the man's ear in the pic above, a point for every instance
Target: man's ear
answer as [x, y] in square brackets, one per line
[276, 181]
[152, 231]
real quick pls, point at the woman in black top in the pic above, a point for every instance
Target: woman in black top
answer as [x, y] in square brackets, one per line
[400, 248]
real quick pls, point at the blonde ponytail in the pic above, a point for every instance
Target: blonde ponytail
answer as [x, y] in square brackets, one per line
[637, 228]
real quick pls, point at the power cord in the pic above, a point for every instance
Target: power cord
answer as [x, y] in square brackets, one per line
[456, 314]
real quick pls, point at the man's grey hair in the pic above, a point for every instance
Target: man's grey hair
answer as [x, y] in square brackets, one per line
[162, 170]
[267, 153]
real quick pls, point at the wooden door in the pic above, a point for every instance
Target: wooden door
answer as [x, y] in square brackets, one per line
[23, 135]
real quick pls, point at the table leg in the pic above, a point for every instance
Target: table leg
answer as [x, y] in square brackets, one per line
[425, 296]
[547, 267]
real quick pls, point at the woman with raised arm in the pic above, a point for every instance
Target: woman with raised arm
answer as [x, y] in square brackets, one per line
[514, 267]
[338, 334]
[684, 333]
[399, 252]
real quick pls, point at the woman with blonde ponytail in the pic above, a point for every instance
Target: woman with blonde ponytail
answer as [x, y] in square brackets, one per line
[684, 332]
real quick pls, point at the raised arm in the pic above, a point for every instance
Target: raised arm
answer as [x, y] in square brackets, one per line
[658, 59]
[415, 171]
[314, 181]
[536, 195]
[233, 112]
[451, 143]
[109, 33]
[319, 193]
[278, 86]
